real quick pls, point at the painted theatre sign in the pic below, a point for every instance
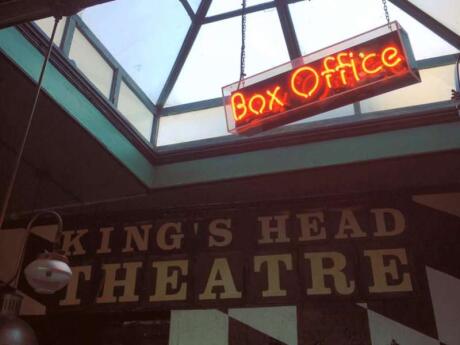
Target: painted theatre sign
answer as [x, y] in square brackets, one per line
[373, 270]
[239, 258]
[361, 67]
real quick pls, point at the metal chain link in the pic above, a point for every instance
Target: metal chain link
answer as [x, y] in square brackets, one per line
[387, 14]
[243, 43]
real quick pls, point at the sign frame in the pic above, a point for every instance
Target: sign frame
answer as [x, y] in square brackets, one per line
[286, 113]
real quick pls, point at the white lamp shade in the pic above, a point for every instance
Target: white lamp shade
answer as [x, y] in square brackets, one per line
[48, 273]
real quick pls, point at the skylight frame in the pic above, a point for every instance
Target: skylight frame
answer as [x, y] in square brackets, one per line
[292, 44]
[188, 9]
[200, 18]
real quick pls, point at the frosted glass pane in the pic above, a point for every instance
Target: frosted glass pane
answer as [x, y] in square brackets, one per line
[135, 111]
[91, 63]
[425, 43]
[435, 87]
[46, 24]
[344, 111]
[446, 12]
[191, 126]
[222, 6]
[215, 57]
[320, 24]
[143, 35]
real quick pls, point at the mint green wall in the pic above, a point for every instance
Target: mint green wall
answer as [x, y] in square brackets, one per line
[319, 154]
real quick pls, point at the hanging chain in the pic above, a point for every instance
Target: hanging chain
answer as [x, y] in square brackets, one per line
[387, 14]
[243, 43]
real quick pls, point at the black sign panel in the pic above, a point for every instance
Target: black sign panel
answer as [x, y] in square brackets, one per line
[353, 251]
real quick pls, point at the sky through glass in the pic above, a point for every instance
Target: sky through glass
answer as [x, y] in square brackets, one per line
[145, 37]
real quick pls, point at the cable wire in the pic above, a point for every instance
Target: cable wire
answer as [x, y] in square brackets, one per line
[17, 164]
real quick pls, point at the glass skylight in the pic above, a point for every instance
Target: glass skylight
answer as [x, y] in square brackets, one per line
[319, 24]
[435, 87]
[447, 12]
[194, 4]
[190, 126]
[425, 43]
[46, 24]
[149, 35]
[91, 63]
[143, 35]
[215, 57]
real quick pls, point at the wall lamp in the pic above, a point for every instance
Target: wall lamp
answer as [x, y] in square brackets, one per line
[50, 271]
[47, 274]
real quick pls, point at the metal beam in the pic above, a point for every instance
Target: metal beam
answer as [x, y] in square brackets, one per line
[431, 23]
[115, 88]
[195, 106]
[237, 13]
[67, 35]
[188, 9]
[250, 9]
[288, 29]
[155, 130]
[437, 61]
[357, 108]
[184, 51]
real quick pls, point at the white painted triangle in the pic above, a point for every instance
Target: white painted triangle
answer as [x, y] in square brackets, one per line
[383, 330]
[29, 306]
[47, 232]
[445, 296]
[280, 323]
[198, 327]
[445, 202]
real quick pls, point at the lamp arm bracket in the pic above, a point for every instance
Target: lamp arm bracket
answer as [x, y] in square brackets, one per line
[15, 278]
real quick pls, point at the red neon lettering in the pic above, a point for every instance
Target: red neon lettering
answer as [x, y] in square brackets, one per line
[274, 98]
[341, 66]
[239, 106]
[364, 63]
[327, 72]
[262, 104]
[315, 83]
[393, 52]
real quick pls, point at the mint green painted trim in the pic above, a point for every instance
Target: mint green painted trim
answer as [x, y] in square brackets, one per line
[14, 45]
[313, 155]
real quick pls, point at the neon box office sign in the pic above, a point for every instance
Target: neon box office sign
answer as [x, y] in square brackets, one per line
[366, 65]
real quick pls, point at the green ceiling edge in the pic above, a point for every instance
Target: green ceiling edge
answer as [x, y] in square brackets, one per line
[381, 145]
[14, 45]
